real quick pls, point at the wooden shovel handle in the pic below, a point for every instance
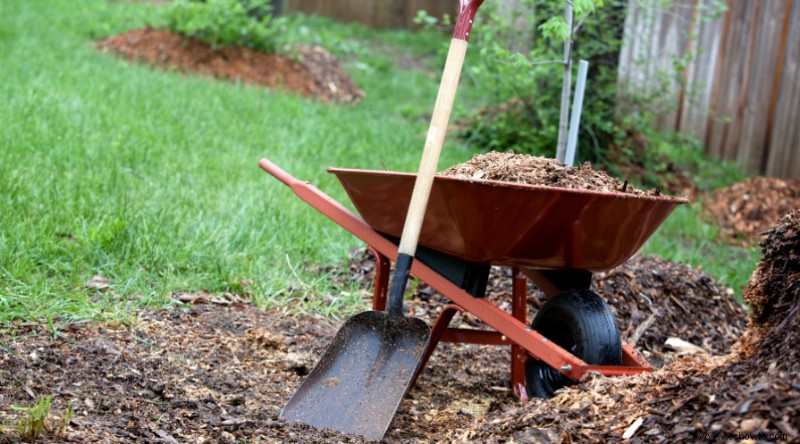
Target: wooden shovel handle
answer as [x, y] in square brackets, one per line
[438, 126]
[433, 146]
[430, 155]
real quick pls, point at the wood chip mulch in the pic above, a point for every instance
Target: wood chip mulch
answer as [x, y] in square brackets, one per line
[653, 299]
[746, 209]
[221, 373]
[316, 73]
[533, 170]
[752, 395]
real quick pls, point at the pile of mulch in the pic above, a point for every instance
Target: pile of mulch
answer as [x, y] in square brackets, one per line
[215, 373]
[220, 370]
[752, 394]
[774, 289]
[746, 209]
[316, 73]
[653, 300]
[533, 170]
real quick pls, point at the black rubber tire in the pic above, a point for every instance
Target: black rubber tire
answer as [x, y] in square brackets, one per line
[580, 322]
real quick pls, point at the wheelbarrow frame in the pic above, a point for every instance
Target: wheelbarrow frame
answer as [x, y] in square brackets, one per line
[509, 329]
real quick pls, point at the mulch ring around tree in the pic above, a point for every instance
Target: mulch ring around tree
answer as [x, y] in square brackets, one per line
[220, 371]
[316, 73]
[744, 210]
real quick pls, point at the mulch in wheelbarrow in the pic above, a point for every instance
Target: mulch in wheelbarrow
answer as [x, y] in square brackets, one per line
[534, 170]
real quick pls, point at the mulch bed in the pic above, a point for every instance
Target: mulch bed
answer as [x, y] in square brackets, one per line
[744, 210]
[221, 372]
[752, 394]
[316, 73]
[533, 170]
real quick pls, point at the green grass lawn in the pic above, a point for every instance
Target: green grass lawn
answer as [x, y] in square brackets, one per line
[150, 178]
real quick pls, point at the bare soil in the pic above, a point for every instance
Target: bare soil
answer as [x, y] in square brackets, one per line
[533, 170]
[315, 73]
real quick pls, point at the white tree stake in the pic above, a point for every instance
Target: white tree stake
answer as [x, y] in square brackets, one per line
[575, 118]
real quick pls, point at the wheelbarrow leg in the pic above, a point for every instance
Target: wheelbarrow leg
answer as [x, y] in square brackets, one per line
[439, 327]
[519, 309]
[381, 283]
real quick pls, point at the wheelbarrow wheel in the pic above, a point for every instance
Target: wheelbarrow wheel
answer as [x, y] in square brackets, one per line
[580, 322]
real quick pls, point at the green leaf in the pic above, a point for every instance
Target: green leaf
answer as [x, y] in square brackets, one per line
[555, 29]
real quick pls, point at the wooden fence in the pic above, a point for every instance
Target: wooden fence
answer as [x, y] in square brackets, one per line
[739, 89]
[377, 13]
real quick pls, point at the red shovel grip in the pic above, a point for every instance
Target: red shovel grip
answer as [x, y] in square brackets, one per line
[466, 15]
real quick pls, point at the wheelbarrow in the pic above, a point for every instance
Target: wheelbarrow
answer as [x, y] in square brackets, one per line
[452, 233]
[555, 237]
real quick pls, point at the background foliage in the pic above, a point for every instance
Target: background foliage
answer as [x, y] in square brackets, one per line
[247, 23]
[523, 83]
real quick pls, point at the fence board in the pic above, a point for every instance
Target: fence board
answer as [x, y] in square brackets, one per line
[759, 93]
[648, 31]
[785, 129]
[698, 101]
[735, 71]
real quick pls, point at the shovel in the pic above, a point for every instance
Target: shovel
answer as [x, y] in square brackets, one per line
[359, 382]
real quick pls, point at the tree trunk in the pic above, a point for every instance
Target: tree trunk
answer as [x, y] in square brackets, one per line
[566, 86]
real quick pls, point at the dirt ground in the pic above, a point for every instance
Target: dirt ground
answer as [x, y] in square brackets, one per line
[221, 373]
[314, 72]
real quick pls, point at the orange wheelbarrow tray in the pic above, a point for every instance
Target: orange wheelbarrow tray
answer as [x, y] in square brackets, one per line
[556, 237]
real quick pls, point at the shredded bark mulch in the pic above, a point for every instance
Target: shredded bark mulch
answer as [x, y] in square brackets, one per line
[221, 370]
[316, 73]
[221, 373]
[653, 300]
[752, 395]
[746, 209]
[533, 170]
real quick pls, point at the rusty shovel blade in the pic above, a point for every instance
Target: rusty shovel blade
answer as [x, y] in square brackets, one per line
[359, 382]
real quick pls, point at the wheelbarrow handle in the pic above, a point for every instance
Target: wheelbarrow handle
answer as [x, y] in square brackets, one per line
[277, 172]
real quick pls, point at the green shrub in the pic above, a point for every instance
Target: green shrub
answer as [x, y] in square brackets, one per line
[226, 22]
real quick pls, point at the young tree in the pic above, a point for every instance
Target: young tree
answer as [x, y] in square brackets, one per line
[563, 29]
